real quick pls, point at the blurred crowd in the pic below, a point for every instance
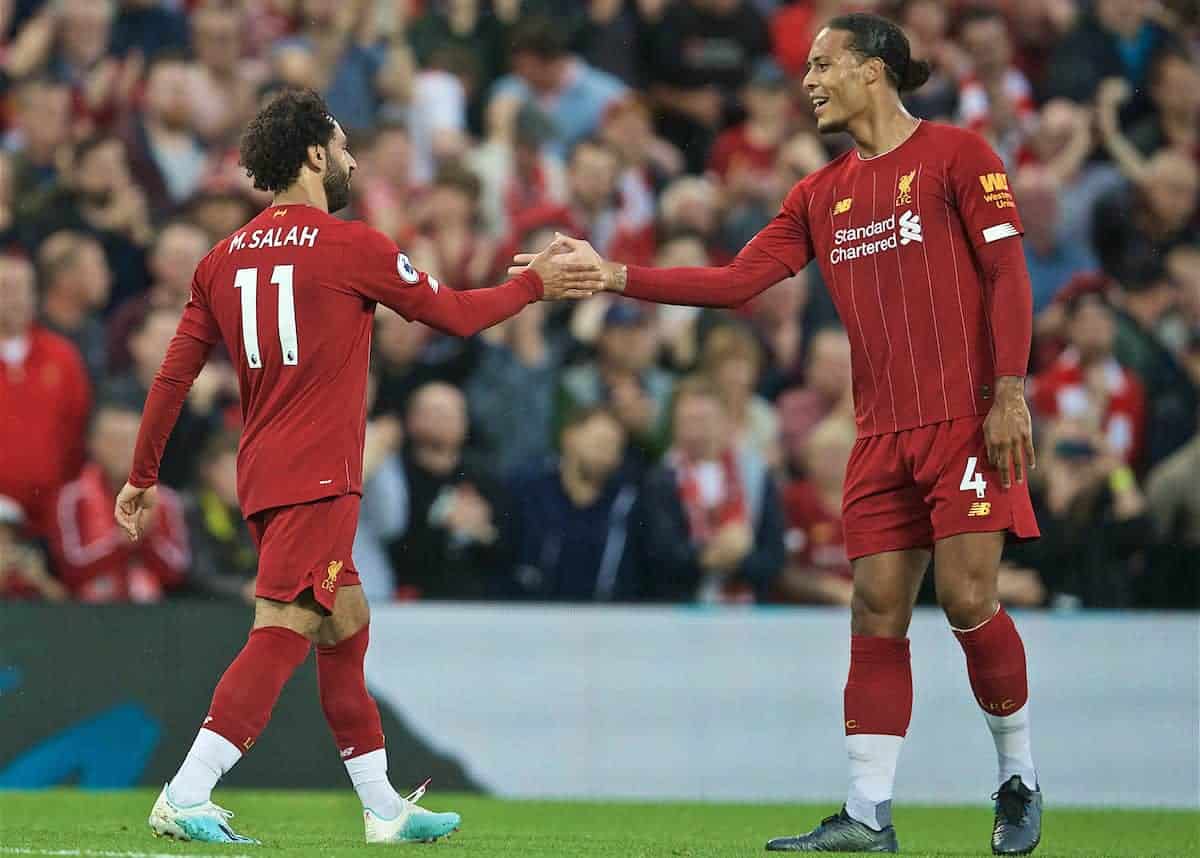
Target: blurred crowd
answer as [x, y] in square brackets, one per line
[605, 450]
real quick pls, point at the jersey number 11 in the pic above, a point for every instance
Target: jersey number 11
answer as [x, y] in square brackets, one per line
[247, 280]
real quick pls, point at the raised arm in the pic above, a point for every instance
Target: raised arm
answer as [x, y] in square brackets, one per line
[782, 248]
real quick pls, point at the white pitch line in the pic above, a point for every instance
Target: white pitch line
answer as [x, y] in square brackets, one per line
[100, 853]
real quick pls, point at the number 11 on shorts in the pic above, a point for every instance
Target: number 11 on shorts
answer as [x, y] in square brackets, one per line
[972, 479]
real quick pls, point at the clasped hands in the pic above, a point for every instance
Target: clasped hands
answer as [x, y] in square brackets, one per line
[570, 268]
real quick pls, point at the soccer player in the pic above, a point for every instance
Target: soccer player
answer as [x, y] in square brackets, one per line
[292, 296]
[917, 236]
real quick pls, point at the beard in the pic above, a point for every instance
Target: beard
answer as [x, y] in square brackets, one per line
[337, 187]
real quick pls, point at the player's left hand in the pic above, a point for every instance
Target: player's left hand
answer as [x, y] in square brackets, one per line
[1008, 432]
[567, 270]
[134, 509]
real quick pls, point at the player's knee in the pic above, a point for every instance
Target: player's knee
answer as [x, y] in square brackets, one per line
[968, 603]
[871, 615]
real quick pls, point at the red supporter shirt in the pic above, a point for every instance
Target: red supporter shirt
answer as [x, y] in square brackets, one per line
[1062, 391]
[913, 246]
[292, 295]
[814, 536]
[95, 559]
[45, 399]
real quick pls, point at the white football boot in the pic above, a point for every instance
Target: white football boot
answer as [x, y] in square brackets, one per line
[204, 823]
[413, 824]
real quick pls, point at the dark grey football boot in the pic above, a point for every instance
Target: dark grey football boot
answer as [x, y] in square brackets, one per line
[841, 833]
[1018, 826]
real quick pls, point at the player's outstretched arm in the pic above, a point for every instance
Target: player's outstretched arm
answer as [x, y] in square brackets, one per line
[753, 271]
[185, 358]
[554, 274]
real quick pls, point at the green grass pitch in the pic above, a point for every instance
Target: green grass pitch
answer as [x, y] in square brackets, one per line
[113, 825]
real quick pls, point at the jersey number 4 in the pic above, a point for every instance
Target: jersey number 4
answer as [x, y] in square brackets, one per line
[247, 280]
[972, 479]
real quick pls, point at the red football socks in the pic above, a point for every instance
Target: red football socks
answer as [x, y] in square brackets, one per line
[996, 664]
[349, 708]
[246, 694]
[879, 695]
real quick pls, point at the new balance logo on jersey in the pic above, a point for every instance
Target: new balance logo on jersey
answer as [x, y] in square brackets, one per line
[910, 228]
[979, 509]
[842, 206]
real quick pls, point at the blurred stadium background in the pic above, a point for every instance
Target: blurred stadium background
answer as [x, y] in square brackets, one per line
[534, 463]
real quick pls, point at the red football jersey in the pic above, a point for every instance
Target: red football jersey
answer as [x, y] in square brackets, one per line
[895, 237]
[292, 295]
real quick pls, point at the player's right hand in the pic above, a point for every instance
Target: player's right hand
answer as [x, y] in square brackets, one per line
[134, 509]
[567, 269]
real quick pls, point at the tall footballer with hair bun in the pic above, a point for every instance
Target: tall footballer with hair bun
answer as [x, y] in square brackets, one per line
[292, 297]
[917, 236]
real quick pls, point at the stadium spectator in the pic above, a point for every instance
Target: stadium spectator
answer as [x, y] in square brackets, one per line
[709, 520]
[23, 573]
[647, 161]
[383, 515]
[1183, 267]
[148, 28]
[733, 361]
[166, 156]
[99, 197]
[623, 376]
[101, 84]
[604, 37]
[388, 196]
[521, 180]
[826, 391]
[47, 397]
[224, 84]
[1156, 213]
[562, 84]
[995, 99]
[336, 52]
[224, 558]
[743, 156]
[148, 345]
[511, 392]
[75, 286]
[1117, 36]
[699, 56]
[40, 135]
[451, 549]
[818, 570]
[1052, 261]
[1141, 303]
[432, 104]
[452, 248]
[176, 251]
[1174, 87]
[569, 525]
[1092, 516]
[461, 26]
[95, 559]
[1088, 384]
[597, 208]
[1173, 503]
[927, 24]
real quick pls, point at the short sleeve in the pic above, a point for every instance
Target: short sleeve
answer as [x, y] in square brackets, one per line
[378, 270]
[787, 237]
[198, 321]
[982, 196]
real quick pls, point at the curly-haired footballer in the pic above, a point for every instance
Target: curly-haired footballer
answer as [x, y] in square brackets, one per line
[292, 296]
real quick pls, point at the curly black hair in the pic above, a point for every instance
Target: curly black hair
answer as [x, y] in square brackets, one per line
[275, 143]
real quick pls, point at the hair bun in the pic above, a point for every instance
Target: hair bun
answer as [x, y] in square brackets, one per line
[916, 72]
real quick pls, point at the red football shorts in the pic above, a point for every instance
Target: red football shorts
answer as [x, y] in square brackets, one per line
[306, 546]
[909, 489]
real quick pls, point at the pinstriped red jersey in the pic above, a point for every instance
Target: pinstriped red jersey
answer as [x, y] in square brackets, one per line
[896, 237]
